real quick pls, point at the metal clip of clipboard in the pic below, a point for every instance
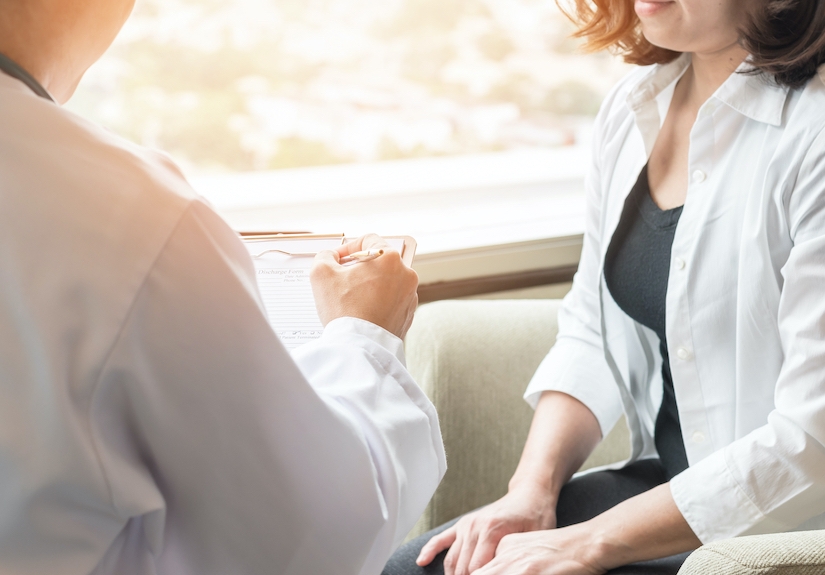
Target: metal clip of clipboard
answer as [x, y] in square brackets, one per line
[270, 236]
[407, 246]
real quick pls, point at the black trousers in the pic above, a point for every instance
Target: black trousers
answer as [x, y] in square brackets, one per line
[581, 499]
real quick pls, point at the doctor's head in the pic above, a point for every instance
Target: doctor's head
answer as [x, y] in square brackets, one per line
[785, 38]
[57, 40]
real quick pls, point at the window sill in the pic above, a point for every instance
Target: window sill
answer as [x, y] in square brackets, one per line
[484, 223]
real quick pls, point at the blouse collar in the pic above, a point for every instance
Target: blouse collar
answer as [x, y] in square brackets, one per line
[754, 95]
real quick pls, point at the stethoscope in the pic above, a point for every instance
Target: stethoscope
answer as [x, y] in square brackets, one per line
[14, 70]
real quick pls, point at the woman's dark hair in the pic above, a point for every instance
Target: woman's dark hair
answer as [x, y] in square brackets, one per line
[786, 38]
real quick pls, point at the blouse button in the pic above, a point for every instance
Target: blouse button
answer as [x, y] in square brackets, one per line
[680, 263]
[683, 353]
[699, 176]
[698, 437]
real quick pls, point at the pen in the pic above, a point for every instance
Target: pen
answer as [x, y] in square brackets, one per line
[362, 256]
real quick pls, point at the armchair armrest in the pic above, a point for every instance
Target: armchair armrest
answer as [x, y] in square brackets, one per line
[474, 360]
[794, 553]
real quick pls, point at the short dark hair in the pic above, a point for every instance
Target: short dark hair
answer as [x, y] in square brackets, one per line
[786, 38]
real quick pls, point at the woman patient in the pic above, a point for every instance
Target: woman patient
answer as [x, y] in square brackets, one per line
[698, 309]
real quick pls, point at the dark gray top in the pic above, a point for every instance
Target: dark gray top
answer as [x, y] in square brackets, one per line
[636, 271]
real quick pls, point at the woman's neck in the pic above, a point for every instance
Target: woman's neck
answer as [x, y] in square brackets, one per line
[708, 71]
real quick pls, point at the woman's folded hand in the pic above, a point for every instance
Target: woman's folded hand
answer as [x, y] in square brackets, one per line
[474, 539]
[567, 551]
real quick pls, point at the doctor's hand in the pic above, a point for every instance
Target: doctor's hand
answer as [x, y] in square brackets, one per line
[382, 291]
[474, 539]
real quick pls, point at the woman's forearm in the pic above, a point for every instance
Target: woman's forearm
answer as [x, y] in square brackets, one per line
[644, 527]
[563, 433]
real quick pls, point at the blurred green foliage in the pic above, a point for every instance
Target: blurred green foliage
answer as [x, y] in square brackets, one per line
[200, 89]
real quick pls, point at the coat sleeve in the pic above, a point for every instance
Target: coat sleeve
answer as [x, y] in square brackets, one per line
[576, 364]
[773, 479]
[237, 457]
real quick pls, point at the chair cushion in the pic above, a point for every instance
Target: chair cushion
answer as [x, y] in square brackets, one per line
[795, 553]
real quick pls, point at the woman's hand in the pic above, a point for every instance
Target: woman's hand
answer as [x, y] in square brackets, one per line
[474, 539]
[567, 551]
[562, 435]
[647, 526]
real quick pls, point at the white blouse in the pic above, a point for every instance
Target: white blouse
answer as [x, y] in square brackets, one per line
[745, 312]
[150, 420]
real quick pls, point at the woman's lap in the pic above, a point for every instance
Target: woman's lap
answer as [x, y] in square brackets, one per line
[581, 499]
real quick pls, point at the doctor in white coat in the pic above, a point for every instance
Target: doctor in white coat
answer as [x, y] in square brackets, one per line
[150, 420]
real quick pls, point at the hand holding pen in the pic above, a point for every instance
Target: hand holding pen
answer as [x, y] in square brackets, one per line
[362, 256]
[383, 292]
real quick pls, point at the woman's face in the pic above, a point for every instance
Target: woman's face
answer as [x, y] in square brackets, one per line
[698, 26]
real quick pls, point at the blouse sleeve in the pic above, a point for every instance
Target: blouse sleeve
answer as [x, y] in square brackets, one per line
[576, 364]
[773, 479]
[240, 458]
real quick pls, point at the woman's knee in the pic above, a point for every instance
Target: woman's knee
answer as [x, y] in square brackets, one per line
[403, 562]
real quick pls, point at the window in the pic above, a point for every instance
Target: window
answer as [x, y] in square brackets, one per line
[491, 97]
[240, 85]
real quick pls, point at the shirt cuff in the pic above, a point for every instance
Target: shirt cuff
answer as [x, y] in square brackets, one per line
[714, 505]
[348, 326]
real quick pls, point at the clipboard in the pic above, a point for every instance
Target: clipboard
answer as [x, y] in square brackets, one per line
[406, 245]
[282, 263]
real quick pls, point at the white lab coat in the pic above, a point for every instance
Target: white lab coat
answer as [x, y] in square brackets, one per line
[745, 311]
[150, 420]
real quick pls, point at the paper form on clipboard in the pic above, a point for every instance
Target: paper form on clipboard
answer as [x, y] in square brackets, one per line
[282, 266]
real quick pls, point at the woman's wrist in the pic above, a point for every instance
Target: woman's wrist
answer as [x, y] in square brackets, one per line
[602, 547]
[542, 500]
[644, 527]
[540, 483]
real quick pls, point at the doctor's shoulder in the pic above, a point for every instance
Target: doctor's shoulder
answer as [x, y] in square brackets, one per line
[87, 160]
[153, 171]
[101, 208]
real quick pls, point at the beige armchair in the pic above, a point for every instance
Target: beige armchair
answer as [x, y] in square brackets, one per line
[474, 360]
